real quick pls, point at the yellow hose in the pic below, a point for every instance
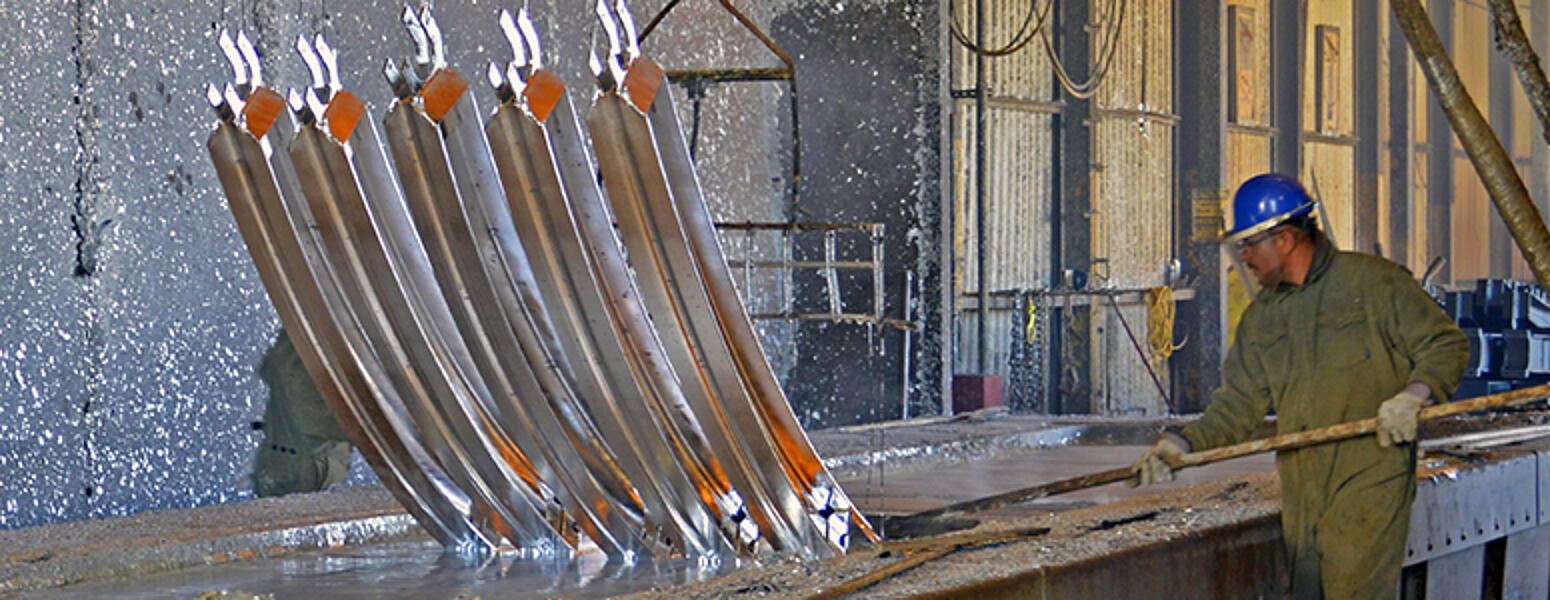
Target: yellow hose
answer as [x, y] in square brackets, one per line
[1160, 310]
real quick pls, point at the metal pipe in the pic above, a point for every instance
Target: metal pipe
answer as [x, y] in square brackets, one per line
[909, 283]
[1485, 151]
[604, 379]
[1517, 47]
[812, 479]
[621, 140]
[461, 218]
[345, 377]
[675, 398]
[981, 180]
[381, 291]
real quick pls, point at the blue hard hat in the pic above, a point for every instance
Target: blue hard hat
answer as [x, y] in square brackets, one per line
[1265, 201]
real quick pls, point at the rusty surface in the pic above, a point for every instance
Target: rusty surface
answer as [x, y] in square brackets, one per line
[1231, 524]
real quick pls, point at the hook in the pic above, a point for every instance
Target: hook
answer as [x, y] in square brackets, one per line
[516, 68]
[503, 90]
[433, 34]
[213, 96]
[330, 62]
[309, 56]
[250, 54]
[232, 99]
[396, 80]
[631, 45]
[298, 107]
[535, 60]
[316, 105]
[239, 69]
[611, 30]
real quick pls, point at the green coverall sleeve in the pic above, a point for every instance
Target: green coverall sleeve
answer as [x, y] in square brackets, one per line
[1239, 405]
[1437, 350]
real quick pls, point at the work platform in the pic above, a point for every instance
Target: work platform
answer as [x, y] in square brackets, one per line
[1479, 527]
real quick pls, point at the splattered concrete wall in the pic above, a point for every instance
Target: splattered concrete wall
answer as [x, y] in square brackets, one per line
[131, 318]
[870, 74]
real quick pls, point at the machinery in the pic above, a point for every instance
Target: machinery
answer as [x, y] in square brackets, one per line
[1508, 325]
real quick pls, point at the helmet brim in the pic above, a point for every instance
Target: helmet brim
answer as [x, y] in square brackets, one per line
[1268, 224]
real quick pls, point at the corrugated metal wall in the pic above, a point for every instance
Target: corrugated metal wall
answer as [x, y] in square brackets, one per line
[1020, 189]
[1132, 130]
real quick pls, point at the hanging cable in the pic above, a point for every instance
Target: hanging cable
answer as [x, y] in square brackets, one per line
[1018, 41]
[1087, 89]
[1160, 312]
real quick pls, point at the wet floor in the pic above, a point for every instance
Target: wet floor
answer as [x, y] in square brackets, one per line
[418, 570]
[396, 570]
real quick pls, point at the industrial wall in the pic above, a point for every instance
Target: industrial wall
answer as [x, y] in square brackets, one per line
[132, 320]
[1077, 177]
[1324, 89]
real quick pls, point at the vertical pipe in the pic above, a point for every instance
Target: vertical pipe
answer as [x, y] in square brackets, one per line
[1369, 126]
[1539, 185]
[981, 180]
[1401, 148]
[909, 284]
[1286, 37]
[1438, 221]
[1499, 114]
[1485, 151]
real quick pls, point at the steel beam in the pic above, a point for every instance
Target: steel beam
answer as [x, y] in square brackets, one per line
[1201, 33]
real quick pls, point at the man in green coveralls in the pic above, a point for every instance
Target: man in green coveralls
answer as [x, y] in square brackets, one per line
[304, 449]
[1331, 337]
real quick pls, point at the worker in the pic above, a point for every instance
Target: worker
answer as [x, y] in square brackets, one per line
[1331, 337]
[304, 448]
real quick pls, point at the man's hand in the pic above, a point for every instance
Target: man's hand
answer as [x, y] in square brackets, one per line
[1153, 467]
[1397, 416]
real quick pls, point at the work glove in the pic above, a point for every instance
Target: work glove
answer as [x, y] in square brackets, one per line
[1153, 467]
[1397, 418]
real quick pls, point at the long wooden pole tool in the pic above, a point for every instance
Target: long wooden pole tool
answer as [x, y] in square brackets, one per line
[923, 521]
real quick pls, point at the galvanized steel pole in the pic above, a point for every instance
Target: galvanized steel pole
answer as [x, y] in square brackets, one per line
[981, 178]
[1485, 150]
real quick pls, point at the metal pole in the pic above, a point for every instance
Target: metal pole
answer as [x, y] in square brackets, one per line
[1515, 45]
[1485, 150]
[981, 179]
[909, 283]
